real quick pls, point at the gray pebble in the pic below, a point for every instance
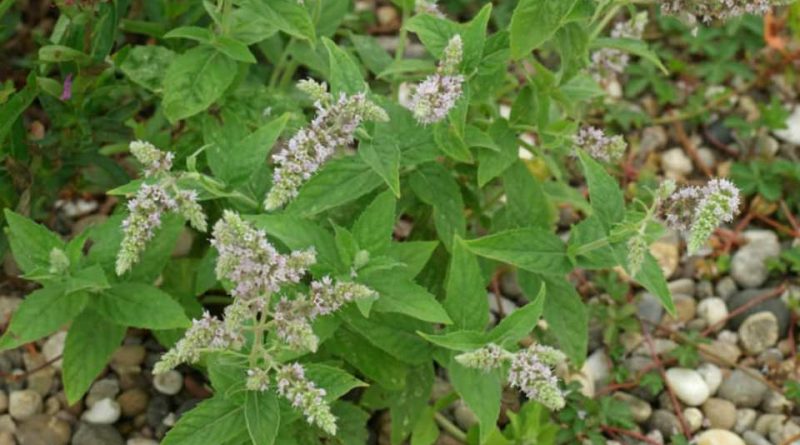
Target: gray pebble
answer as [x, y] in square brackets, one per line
[89, 434]
[742, 389]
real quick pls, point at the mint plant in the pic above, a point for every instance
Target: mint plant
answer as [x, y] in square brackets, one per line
[360, 202]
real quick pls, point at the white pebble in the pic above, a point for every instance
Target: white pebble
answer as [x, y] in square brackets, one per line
[713, 310]
[169, 383]
[688, 385]
[103, 412]
[712, 375]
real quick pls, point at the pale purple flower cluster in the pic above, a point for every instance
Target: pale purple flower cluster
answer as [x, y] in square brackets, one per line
[139, 227]
[190, 209]
[700, 210]
[607, 63]
[333, 127]
[531, 371]
[251, 263]
[206, 333]
[599, 146]
[328, 297]
[292, 320]
[435, 96]
[486, 359]
[257, 379]
[710, 10]
[303, 394]
[428, 7]
[153, 160]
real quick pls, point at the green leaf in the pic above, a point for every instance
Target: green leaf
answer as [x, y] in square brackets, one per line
[607, 200]
[13, 108]
[402, 296]
[91, 341]
[434, 185]
[451, 144]
[373, 363]
[371, 53]
[286, 15]
[142, 306]
[335, 381]
[527, 203]
[374, 227]
[42, 312]
[480, 391]
[519, 323]
[196, 33]
[383, 156]
[379, 330]
[104, 29]
[414, 254]
[535, 22]
[529, 248]
[633, 46]
[492, 163]
[144, 65]
[407, 405]
[31, 243]
[61, 53]
[234, 49]
[344, 75]
[236, 163]
[339, 182]
[466, 301]
[195, 80]
[352, 423]
[652, 278]
[214, 420]
[457, 340]
[564, 311]
[262, 416]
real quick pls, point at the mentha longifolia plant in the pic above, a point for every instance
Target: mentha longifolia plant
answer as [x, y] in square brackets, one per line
[358, 215]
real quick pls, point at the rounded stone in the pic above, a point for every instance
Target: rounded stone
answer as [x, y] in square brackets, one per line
[103, 412]
[7, 438]
[53, 349]
[88, 434]
[24, 404]
[713, 310]
[141, 441]
[753, 438]
[129, 355]
[712, 376]
[775, 305]
[745, 419]
[720, 413]
[688, 386]
[133, 402]
[665, 422]
[169, 383]
[742, 389]
[675, 163]
[685, 307]
[107, 388]
[640, 410]
[718, 437]
[44, 430]
[3, 401]
[758, 332]
[694, 418]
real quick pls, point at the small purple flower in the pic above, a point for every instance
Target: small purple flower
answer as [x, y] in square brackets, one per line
[303, 394]
[139, 227]
[435, 96]
[66, 93]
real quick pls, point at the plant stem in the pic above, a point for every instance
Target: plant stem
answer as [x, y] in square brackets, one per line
[588, 247]
[401, 47]
[449, 427]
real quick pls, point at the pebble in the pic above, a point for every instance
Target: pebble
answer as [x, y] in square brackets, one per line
[640, 410]
[169, 383]
[726, 287]
[133, 402]
[791, 132]
[7, 438]
[54, 348]
[507, 305]
[685, 308]
[597, 367]
[721, 413]
[728, 352]
[664, 421]
[141, 441]
[753, 438]
[667, 255]
[675, 163]
[718, 437]
[780, 433]
[693, 418]
[3, 401]
[649, 308]
[712, 375]
[157, 409]
[107, 388]
[129, 355]
[688, 385]
[704, 289]
[706, 156]
[41, 375]
[653, 139]
[7, 423]
[713, 310]
[749, 263]
[745, 419]
[775, 403]
[684, 286]
[758, 332]
[742, 389]
[103, 412]
[765, 422]
[89, 434]
[44, 430]
[661, 346]
[24, 404]
[464, 416]
[775, 305]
